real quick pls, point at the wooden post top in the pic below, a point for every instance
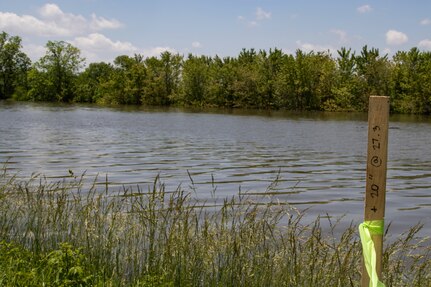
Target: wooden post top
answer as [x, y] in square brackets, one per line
[377, 155]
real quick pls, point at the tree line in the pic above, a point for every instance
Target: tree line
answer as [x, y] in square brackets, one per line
[253, 79]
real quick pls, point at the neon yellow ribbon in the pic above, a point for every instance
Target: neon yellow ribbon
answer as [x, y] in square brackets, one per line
[366, 230]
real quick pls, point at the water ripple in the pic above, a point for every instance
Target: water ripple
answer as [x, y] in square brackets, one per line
[319, 161]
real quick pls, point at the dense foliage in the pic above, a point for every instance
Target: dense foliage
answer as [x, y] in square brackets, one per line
[254, 79]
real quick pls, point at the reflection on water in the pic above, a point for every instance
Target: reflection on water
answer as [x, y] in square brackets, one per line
[318, 158]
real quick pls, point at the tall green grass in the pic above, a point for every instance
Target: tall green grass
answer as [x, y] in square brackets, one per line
[71, 233]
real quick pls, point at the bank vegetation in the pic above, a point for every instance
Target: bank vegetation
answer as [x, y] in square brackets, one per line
[317, 81]
[74, 233]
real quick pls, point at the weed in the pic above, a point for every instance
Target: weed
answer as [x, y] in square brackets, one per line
[69, 233]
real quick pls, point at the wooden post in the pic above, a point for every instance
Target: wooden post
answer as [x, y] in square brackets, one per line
[375, 193]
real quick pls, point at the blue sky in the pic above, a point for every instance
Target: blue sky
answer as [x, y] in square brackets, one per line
[104, 29]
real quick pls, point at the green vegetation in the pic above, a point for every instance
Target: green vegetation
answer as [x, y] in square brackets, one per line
[52, 77]
[260, 80]
[66, 234]
[14, 66]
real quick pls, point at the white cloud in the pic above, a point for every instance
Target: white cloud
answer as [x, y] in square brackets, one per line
[33, 51]
[259, 16]
[308, 47]
[69, 23]
[82, 32]
[425, 44]
[100, 23]
[156, 51]
[196, 45]
[342, 35]
[253, 24]
[52, 21]
[262, 15]
[426, 21]
[51, 11]
[394, 37]
[364, 9]
[30, 25]
[248, 23]
[99, 42]
[97, 47]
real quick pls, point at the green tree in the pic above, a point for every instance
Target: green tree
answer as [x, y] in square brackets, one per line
[163, 79]
[154, 91]
[195, 80]
[89, 82]
[305, 80]
[245, 86]
[58, 70]
[172, 69]
[346, 63]
[41, 86]
[137, 76]
[14, 65]
[345, 82]
[219, 91]
[285, 82]
[129, 79]
[264, 80]
[374, 75]
[117, 87]
[268, 68]
[411, 82]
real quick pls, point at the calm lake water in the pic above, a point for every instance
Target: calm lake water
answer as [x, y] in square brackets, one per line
[320, 158]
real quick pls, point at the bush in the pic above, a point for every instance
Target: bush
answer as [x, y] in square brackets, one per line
[61, 267]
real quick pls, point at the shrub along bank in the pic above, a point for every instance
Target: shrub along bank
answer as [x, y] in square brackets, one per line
[317, 81]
